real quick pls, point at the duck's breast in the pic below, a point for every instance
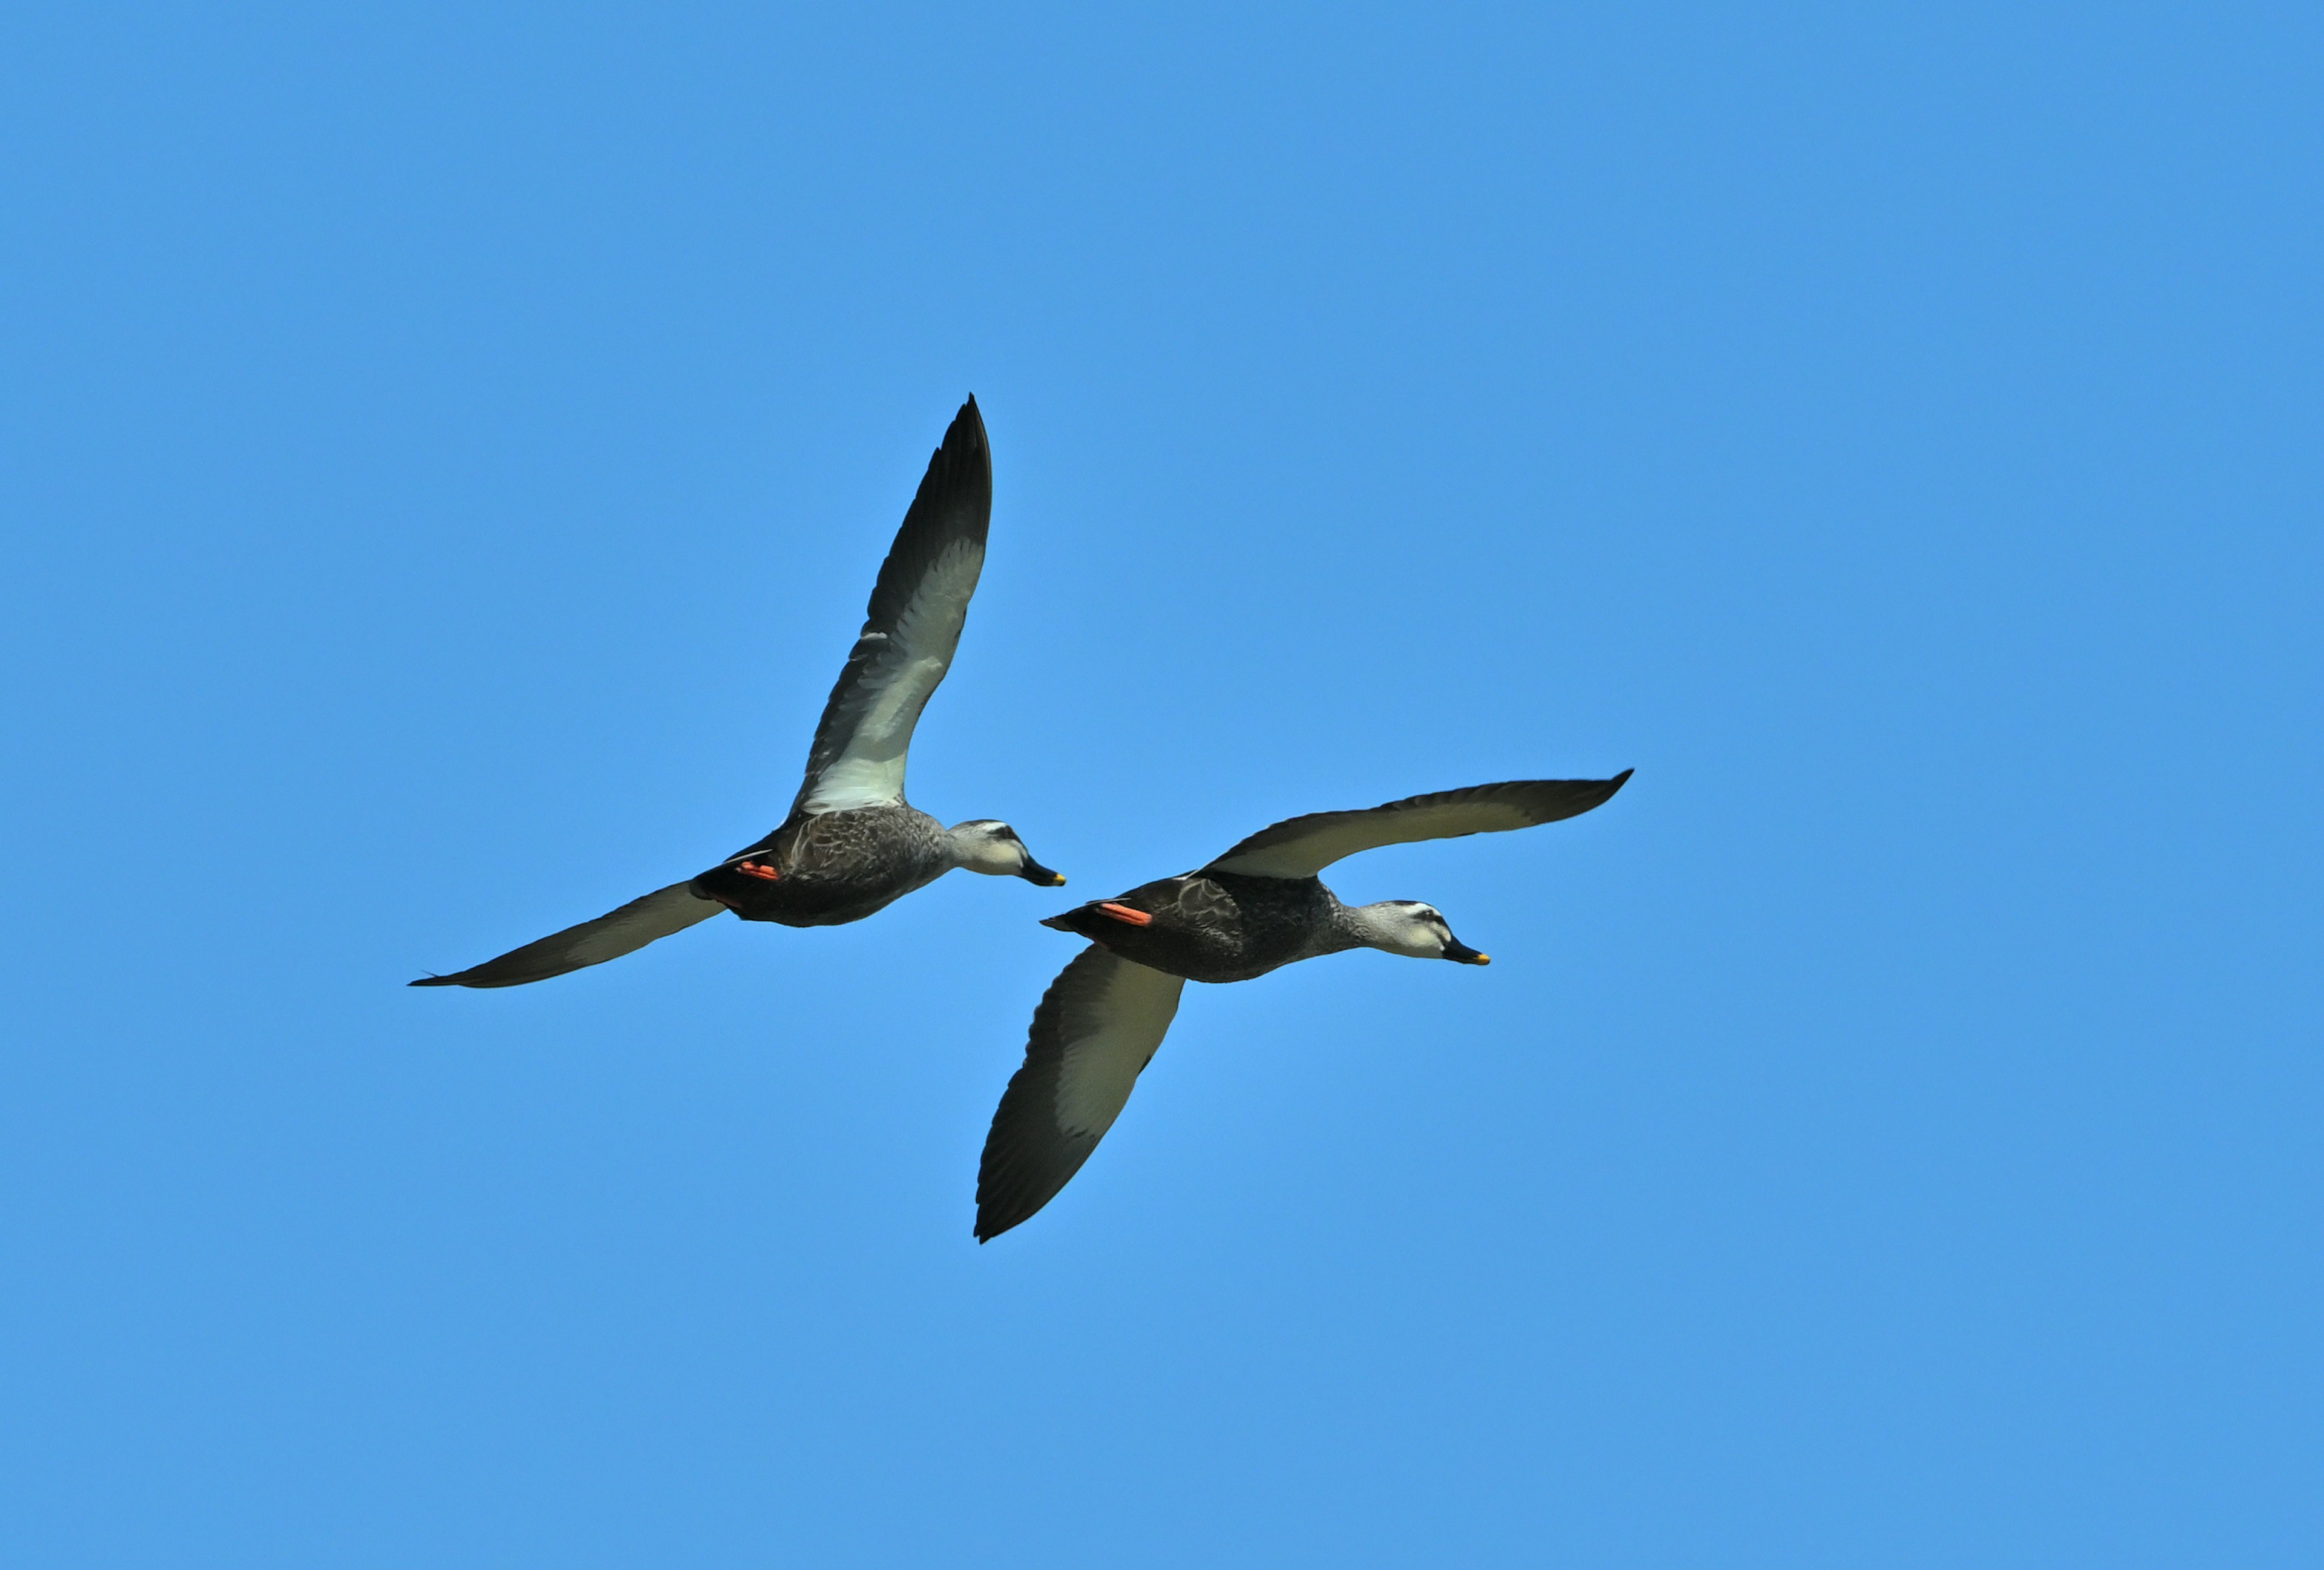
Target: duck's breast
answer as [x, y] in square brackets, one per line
[1279, 920]
[838, 867]
[1208, 927]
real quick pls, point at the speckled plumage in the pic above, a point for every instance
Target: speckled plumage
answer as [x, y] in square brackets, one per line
[1218, 927]
[835, 867]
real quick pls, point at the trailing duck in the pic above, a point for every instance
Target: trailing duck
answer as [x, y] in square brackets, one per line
[1256, 909]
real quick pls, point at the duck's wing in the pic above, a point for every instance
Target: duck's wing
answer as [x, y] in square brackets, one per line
[1097, 1027]
[1301, 848]
[611, 936]
[909, 631]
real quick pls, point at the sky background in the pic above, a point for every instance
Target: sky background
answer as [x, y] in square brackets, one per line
[446, 451]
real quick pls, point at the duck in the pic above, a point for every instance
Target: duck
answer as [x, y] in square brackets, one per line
[1258, 908]
[852, 844]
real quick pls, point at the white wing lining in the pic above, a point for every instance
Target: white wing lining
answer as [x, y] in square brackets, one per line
[1108, 1039]
[1301, 848]
[1310, 854]
[884, 704]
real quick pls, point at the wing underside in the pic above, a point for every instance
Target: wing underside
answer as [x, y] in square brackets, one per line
[1301, 848]
[1096, 1028]
[910, 630]
[609, 936]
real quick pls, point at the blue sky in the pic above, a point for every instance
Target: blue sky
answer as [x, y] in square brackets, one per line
[448, 449]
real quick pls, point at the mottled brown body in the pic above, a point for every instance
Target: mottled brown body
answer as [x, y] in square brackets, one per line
[1216, 927]
[832, 867]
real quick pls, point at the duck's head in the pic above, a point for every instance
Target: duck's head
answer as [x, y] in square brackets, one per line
[1414, 929]
[988, 845]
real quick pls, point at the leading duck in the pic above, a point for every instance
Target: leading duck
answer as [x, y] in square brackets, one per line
[852, 844]
[1257, 908]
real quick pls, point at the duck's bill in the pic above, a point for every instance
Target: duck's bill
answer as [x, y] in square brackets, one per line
[1034, 873]
[1461, 952]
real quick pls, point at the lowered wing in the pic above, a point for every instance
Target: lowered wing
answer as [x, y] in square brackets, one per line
[1097, 1027]
[909, 631]
[1301, 848]
[610, 937]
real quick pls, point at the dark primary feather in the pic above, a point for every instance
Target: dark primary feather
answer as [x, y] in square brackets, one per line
[1098, 1026]
[953, 504]
[1301, 848]
[609, 936]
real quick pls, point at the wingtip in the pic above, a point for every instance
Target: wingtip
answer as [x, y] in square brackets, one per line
[432, 981]
[1618, 780]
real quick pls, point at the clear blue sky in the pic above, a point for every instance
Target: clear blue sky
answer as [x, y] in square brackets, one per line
[445, 450]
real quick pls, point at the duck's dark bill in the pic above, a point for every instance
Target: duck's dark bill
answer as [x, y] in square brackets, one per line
[1461, 952]
[1034, 873]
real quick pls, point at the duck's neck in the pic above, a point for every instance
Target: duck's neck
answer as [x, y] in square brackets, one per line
[961, 851]
[1355, 927]
[1388, 927]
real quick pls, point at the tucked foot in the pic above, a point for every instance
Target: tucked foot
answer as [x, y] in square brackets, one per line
[1124, 913]
[757, 869]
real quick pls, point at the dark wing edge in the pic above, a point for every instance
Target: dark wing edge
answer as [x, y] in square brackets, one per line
[1096, 1028]
[1301, 848]
[609, 936]
[954, 505]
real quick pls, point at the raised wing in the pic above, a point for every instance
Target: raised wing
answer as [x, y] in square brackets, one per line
[1097, 1027]
[611, 936]
[1301, 848]
[909, 631]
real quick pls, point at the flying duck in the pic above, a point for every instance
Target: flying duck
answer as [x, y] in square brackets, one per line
[1257, 908]
[852, 843]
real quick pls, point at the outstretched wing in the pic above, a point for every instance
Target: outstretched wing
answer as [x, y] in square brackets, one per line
[1098, 1025]
[1301, 848]
[611, 936]
[909, 631]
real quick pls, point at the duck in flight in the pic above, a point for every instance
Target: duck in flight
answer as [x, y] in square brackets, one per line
[1258, 907]
[852, 843]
